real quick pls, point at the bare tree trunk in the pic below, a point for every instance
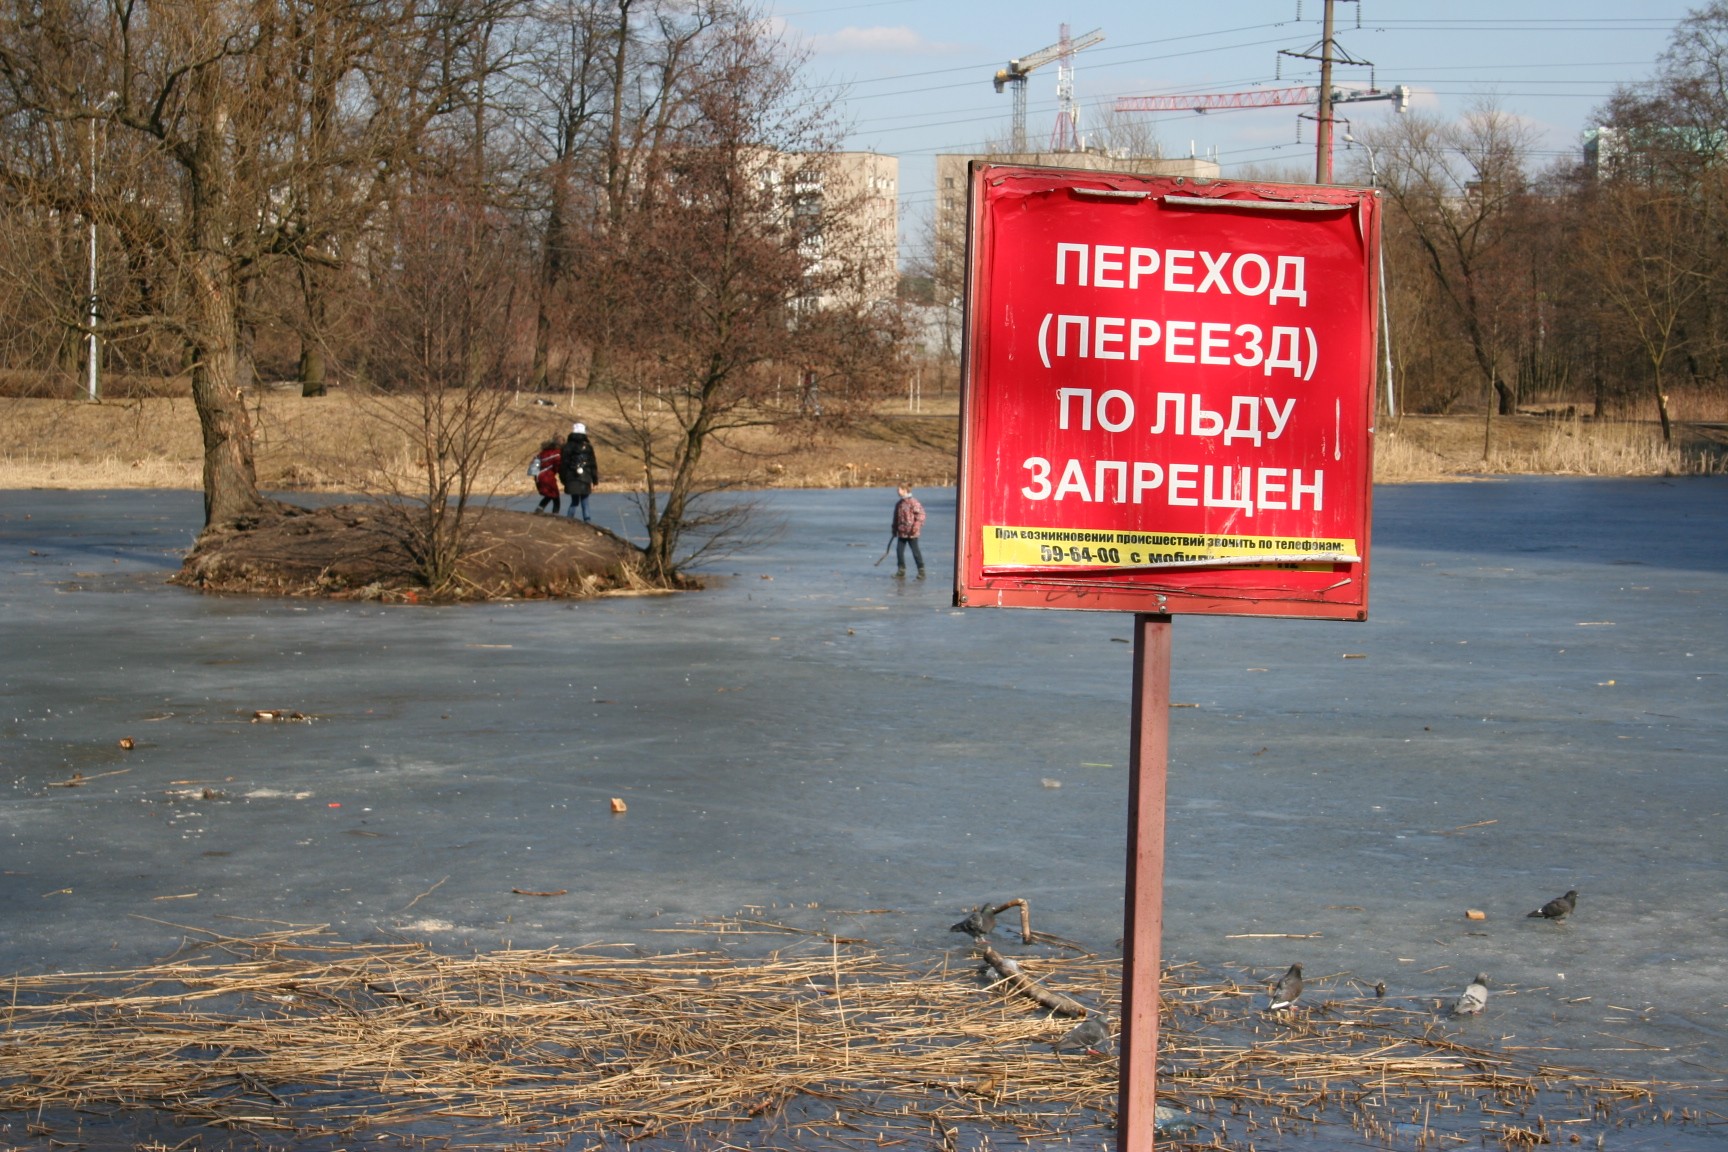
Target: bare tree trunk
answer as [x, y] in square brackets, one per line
[1598, 383]
[312, 363]
[615, 171]
[230, 480]
[552, 273]
[245, 353]
[539, 371]
[1662, 407]
[1488, 425]
[312, 382]
[665, 528]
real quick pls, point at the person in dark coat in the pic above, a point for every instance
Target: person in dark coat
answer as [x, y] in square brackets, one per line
[579, 470]
[544, 469]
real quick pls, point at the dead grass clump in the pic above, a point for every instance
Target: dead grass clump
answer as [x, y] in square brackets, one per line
[1401, 460]
[39, 470]
[825, 1044]
[1417, 449]
[1574, 447]
[1686, 401]
[74, 385]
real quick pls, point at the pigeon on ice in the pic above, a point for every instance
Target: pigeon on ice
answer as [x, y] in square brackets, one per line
[1282, 992]
[1091, 1035]
[1172, 1123]
[1558, 908]
[1474, 999]
[981, 921]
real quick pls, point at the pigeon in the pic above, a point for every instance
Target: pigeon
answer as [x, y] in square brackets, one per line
[1282, 992]
[1170, 1122]
[981, 921]
[1091, 1035]
[1558, 908]
[1474, 999]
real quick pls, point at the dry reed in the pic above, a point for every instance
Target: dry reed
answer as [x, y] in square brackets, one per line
[294, 1035]
[337, 443]
[1572, 447]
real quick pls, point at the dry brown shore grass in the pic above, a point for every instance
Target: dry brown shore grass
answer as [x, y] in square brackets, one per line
[296, 1038]
[323, 445]
[329, 445]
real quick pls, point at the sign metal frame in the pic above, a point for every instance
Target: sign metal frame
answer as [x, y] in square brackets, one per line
[1189, 548]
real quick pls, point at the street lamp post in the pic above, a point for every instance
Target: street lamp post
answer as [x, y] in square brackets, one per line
[1385, 324]
[92, 302]
[95, 354]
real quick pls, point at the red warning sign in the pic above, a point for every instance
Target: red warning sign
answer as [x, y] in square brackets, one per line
[1168, 395]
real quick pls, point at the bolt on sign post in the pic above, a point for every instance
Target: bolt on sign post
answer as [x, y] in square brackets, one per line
[1168, 402]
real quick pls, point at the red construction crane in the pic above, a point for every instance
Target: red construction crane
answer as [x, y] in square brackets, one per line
[1399, 94]
[1257, 98]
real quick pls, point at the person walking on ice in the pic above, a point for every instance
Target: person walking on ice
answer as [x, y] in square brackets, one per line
[544, 469]
[579, 469]
[908, 523]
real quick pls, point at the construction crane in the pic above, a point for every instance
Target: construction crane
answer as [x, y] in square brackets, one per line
[1018, 69]
[1399, 94]
[1258, 98]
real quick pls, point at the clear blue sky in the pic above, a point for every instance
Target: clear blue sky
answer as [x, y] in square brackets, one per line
[914, 75]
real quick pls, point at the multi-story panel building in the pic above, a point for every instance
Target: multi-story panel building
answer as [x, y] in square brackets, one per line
[847, 206]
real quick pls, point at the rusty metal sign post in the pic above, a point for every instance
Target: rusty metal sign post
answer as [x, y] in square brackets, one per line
[1167, 408]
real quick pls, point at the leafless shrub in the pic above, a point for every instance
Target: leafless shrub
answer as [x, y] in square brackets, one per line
[440, 349]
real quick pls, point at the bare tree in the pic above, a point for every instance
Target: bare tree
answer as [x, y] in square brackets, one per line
[217, 96]
[728, 263]
[1650, 269]
[1458, 189]
[1660, 154]
[440, 351]
[295, 174]
[46, 208]
[1124, 135]
[566, 99]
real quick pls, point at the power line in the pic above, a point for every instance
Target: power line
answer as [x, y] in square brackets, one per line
[1489, 90]
[1618, 25]
[1516, 24]
[848, 7]
[1187, 88]
[887, 130]
[1103, 98]
[982, 114]
[1567, 64]
[1095, 52]
[1091, 68]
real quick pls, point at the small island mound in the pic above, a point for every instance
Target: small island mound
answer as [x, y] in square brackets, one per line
[373, 551]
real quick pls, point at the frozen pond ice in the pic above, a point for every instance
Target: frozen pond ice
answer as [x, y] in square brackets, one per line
[1538, 705]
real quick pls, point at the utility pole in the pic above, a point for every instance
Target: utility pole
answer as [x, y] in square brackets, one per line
[1328, 53]
[1323, 138]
